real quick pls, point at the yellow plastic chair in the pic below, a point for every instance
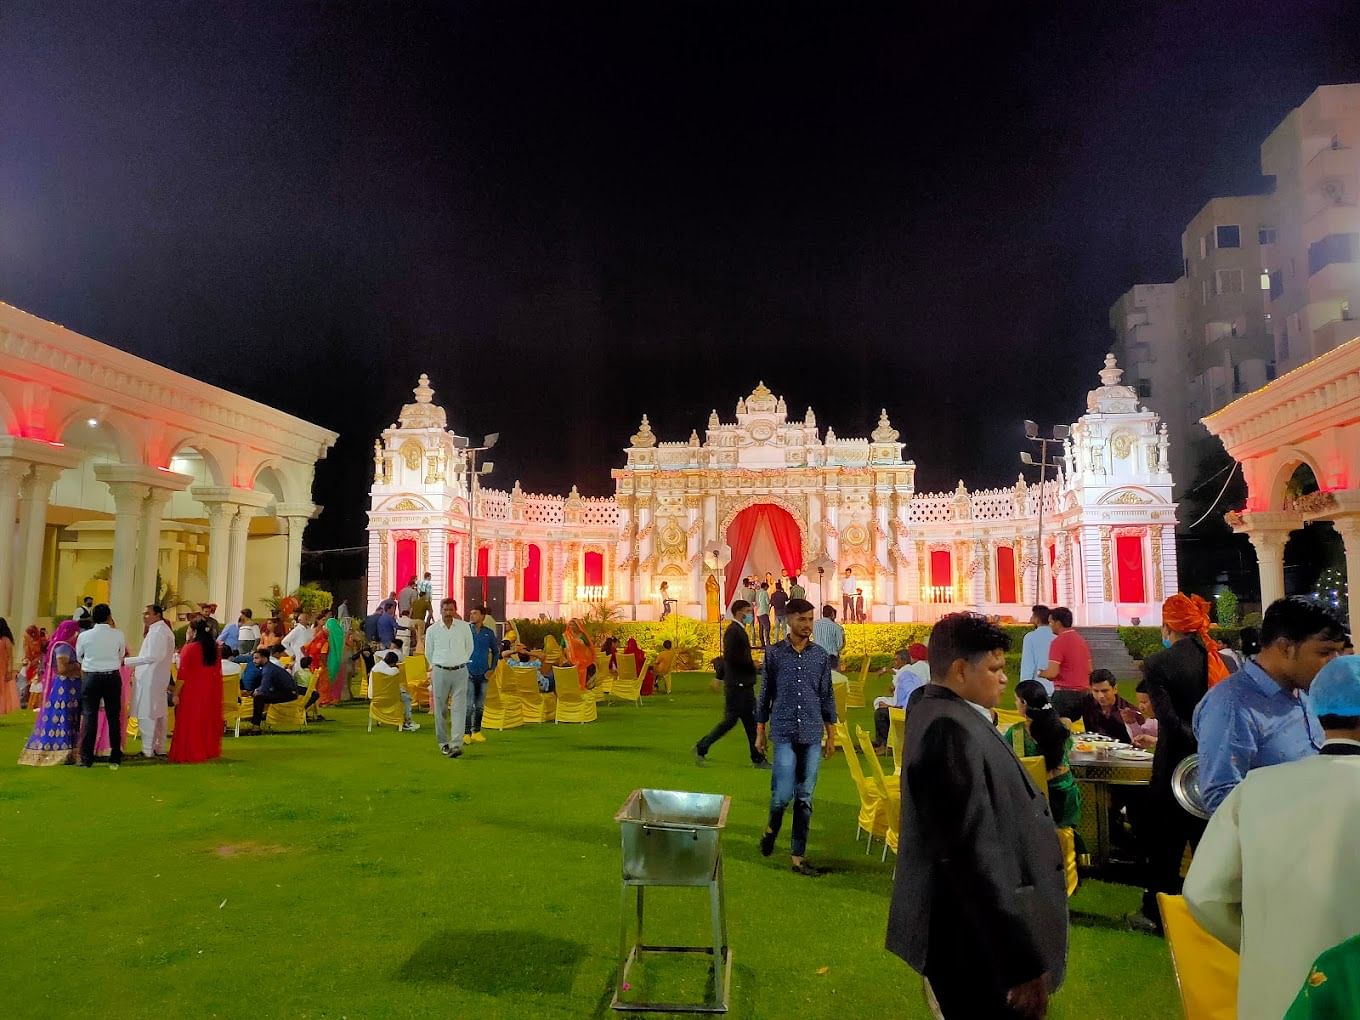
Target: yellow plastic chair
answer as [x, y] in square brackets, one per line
[1067, 842]
[890, 794]
[232, 709]
[604, 674]
[418, 679]
[1206, 969]
[573, 704]
[288, 715]
[897, 736]
[385, 707]
[1006, 718]
[840, 690]
[628, 685]
[872, 817]
[537, 706]
[503, 710]
[855, 687]
[552, 653]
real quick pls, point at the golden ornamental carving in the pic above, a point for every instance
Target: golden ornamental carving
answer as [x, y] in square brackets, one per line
[1129, 498]
[1106, 567]
[856, 536]
[411, 453]
[407, 504]
[1122, 445]
[1156, 541]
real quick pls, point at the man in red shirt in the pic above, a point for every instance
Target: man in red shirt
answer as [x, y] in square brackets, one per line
[1069, 665]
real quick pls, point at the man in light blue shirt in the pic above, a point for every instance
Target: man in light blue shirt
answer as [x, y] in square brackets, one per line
[1034, 648]
[830, 635]
[905, 681]
[1261, 714]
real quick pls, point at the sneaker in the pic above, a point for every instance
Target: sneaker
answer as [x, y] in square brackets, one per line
[1140, 922]
[410, 727]
[804, 868]
[767, 844]
[455, 752]
[446, 749]
[699, 758]
[477, 738]
[467, 739]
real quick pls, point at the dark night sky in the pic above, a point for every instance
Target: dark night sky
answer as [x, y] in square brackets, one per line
[571, 216]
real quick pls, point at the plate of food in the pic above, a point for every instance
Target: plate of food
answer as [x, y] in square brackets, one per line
[1094, 738]
[1133, 754]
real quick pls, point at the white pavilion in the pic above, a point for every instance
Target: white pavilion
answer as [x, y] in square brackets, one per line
[764, 492]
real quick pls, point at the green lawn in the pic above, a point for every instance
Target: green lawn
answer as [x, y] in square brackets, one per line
[341, 873]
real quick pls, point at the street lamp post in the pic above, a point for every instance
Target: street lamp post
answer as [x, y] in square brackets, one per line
[1060, 434]
[469, 455]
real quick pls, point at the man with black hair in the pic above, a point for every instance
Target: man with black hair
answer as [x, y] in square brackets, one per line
[276, 686]
[1103, 706]
[830, 635]
[739, 679]
[979, 903]
[1034, 648]
[798, 708]
[1261, 714]
[100, 652]
[1275, 877]
[1069, 665]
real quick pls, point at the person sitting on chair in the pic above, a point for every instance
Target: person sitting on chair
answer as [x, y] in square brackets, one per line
[665, 662]
[276, 686]
[905, 681]
[389, 666]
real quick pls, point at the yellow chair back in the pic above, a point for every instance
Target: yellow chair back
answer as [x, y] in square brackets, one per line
[417, 671]
[1006, 718]
[1206, 969]
[552, 651]
[897, 736]
[503, 710]
[854, 687]
[385, 708]
[604, 675]
[537, 706]
[627, 685]
[872, 817]
[1067, 842]
[287, 715]
[573, 704]
[232, 710]
[889, 793]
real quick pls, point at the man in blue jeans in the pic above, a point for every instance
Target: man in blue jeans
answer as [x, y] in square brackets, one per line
[797, 712]
[485, 654]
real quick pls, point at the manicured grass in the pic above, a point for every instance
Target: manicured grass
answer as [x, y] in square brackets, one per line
[344, 873]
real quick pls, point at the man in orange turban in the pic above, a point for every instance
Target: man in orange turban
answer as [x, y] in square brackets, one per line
[1176, 679]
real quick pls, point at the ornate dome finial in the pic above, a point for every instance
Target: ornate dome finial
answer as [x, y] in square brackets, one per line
[810, 419]
[424, 413]
[885, 433]
[1111, 374]
[643, 436]
[693, 437]
[713, 422]
[424, 394]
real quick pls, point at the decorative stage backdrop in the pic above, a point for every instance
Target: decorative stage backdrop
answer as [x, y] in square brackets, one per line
[766, 493]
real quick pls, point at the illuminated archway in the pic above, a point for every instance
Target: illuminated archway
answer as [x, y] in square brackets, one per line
[762, 538]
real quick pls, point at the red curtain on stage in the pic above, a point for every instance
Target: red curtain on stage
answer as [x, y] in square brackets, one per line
[453, 581]
[1128, 554]
[594, 564]
[406, 562]
[1053, 572]
[484, 561]
[533, 569]
[941, 574]
[1005, 574]
[742, 532]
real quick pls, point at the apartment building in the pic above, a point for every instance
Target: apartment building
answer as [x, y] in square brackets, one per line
[1312, 260]
[1147, 323]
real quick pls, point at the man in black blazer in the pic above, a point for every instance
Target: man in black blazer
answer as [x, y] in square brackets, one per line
[979, 901]
[739, 695]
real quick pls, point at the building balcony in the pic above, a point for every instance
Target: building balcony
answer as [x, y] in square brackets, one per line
[1333, 334]
[1331, 218]
[1336, 281]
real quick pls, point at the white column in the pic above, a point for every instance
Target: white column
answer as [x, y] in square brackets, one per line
[292, 576]
[33, 496]
[149, 549]
[1348, 528]
[11, 475]
[375, 592]
[236, 562]
[220, 515]
[128, 499]
[1269, 546]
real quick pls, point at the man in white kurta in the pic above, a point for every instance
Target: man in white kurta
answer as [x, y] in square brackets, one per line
[1277, 876]
[299, 638]
[151, 680]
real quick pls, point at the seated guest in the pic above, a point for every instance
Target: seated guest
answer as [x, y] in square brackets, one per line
[1142, 722]
[1044, 733]
[611, 649]
[304, 678]
[388, 665]
[276, 686]
[663, 664]
[520, 658]
[905, 681]
[1102, 708]
[229, 638]
[249, 675]
[247, 633]
[1276, 877]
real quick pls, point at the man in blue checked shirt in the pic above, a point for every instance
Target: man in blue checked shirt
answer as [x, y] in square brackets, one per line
[797, 712]
[1261, 714]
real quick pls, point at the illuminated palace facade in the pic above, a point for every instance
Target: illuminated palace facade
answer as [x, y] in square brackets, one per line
[766, 492]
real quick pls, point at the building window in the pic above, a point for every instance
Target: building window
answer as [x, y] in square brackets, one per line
[1208, 289]
[1282, 346]
[1229, 280]
[1276, 284]
[1144, 388]
[1237, 378]
[1265, 280]
[1333, 248]
[1346, 315]
[1266, 235]
[1229, 236]
[1270, 371]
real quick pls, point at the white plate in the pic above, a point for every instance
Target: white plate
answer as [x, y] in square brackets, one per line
[1094, 738]
[1133, 754]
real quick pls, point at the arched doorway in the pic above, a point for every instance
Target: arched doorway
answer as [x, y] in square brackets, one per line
[763, 538]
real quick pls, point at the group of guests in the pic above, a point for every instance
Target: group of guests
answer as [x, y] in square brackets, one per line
[769, 600]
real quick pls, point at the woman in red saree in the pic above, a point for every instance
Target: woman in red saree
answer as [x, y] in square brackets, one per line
[580, 651]
[319, 651]
[640, 657]
[198, 699]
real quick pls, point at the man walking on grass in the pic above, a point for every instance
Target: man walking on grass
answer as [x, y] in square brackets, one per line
[448, 647]
[797, 712]
[739, 679]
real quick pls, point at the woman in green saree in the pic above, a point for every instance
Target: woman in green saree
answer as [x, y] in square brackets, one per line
[1043, 733]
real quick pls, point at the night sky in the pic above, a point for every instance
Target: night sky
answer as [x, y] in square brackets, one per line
[569, 214]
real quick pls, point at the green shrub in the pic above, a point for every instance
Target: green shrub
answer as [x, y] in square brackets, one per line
[1143, 641]
[1228, 609]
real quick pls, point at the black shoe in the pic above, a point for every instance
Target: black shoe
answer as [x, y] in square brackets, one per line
[456, 752]
[804, 868]
[767, 844]
[86, 765]
[699, 758]
[764, 763]
[1140, 922]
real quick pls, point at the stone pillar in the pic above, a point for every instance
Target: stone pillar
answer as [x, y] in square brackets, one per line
[236, 562]
[220, 515]
[1348, 527]
[32, 504]
[129, 500]
[375, 592]
[1269, 534]
[149, 551]
[292, 576]
[12, 473]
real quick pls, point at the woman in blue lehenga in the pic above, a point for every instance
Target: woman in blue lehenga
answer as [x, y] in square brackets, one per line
[56, 731]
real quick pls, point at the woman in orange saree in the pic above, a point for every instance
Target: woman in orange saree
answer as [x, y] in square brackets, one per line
[319, 651]
[580, 650]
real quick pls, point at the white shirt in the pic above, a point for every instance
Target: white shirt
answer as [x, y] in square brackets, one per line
[298, 638]
[153, 659]
[448, 646]
[248, 632]
[849, 586]
[1277, 875]
[101, 649]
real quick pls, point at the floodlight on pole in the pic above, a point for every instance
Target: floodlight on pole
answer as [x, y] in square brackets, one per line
[1060, 434]
[489, 441]
[1031, 429]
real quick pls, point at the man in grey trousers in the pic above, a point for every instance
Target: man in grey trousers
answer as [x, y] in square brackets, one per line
[448, 647]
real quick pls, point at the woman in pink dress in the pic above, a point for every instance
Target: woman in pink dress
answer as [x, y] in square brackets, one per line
[198, 699]
[9, 693]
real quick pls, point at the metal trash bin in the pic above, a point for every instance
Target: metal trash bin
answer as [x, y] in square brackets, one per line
[672, 838]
